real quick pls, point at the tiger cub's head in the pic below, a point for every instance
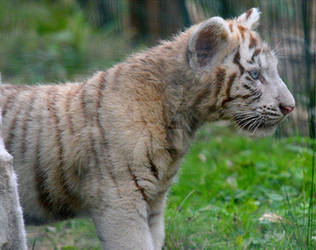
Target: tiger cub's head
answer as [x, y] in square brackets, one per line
[239, 73]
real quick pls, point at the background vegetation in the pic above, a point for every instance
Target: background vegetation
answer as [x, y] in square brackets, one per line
[232, 192]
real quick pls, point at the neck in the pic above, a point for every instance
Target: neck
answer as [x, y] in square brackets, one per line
[166, 71]
[181, 94]
[186, 100]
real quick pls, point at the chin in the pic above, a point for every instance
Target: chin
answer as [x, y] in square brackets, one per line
[260, 132]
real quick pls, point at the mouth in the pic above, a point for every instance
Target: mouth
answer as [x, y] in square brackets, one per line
[256, 125]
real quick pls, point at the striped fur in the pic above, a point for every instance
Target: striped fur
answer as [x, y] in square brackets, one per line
[110, 146]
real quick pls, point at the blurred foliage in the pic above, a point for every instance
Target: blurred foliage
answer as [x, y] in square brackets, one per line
[52, 41]
[60, 40]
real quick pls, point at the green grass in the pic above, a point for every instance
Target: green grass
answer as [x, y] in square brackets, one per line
[235, 181]
[227, 182]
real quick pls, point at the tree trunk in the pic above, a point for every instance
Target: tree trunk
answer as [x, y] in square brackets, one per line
[12, 233]
[153, 20]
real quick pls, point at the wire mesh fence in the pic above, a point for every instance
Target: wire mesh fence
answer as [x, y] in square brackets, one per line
[61, 32]
[59, 40]
[289, 26]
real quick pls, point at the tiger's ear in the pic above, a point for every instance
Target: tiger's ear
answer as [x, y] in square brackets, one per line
[250, 19]
[206, 41]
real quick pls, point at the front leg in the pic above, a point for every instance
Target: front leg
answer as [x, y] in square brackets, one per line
[156, 222]
[122, 228]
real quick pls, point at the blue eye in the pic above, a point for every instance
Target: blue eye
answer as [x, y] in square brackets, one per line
[254, 74]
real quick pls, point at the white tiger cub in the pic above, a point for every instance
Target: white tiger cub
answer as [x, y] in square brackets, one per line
[110, 146]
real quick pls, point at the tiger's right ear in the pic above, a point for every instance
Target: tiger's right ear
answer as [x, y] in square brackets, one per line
[206, 41]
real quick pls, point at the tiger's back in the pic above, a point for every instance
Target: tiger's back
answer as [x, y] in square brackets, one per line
[111, 146]
[46, 129]
[71, 143]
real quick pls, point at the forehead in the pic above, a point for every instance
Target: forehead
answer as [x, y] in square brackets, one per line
[252, 48]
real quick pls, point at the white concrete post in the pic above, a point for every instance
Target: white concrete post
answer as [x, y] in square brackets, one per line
[12, 232]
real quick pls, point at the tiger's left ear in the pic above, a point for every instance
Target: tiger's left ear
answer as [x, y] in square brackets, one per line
[207, 42]
[250, 19]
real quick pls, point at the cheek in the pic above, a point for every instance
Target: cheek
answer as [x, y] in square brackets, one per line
[238, 89]
[268, 92]
[260, 87]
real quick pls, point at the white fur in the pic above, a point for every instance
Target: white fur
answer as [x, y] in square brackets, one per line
[252, 21]
[218, 25]
[149, 110]
[12, 232]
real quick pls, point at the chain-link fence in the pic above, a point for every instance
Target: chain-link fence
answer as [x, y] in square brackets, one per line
[62, 37]
[289, 26]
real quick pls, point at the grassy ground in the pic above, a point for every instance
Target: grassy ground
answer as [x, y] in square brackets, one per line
[226, 184]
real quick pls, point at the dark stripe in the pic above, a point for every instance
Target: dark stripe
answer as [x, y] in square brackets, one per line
[229, 84]
[246, 86]
[240, 96]
[203, 94]
[68, 113]
[217, 89]
[83, 102]
[154, 214]
[54, 117]
[104, 145]
[193, 124]
[248, 13]
[249, 79]
[255, 53]
[86, 125]
[263, 80]
[25, 124]
[41, 176]
[93, 143]
[219, 80]
[220, 77]
[236, 60]
[231, 26]
[116, 77]
[139, 188]
[253, 42]
[242, 30]
[12, 127]
[153, 167]
[9, 100]
[72, 95]
[77, 91]
[257, 97]
[93, 149]
[245, 96]
[200, 97]
[170, 147]
[172, 151]
[212, 109]
[63, 205]
[91, 139]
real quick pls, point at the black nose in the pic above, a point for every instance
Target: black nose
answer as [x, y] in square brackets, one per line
[286, 109]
